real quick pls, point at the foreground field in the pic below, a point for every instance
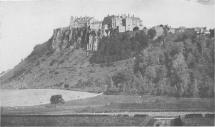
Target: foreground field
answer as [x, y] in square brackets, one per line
[118, 103]
[104, 119]
[32, 97]
[75, 120]
[122, 103]
[110, 107]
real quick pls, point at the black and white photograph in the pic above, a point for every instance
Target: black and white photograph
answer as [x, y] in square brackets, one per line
[107, 63]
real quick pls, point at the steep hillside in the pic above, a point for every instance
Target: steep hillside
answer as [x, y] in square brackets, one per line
[137, 62]
[62, 62]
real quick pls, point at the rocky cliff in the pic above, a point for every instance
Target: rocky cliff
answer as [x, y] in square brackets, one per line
[74, 38]
[179, 64]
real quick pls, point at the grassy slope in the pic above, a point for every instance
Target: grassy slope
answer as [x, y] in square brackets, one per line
[69, 67]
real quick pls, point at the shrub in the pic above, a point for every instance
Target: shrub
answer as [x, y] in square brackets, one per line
[57, 99]
[151, 33]
[210, 115]
[37, 63]
[61, 62]
[66, 86]
[136, 28]
[178, 122]
[56, 73]
[52, 62]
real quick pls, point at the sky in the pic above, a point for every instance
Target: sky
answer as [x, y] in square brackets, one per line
[26, 23]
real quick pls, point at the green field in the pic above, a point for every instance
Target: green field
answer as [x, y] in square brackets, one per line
[76, 120]
[96, 120]
[55, 114]
[118, 103]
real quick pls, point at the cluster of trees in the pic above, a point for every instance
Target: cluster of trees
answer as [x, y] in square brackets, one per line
[119, 46]
[181, 64]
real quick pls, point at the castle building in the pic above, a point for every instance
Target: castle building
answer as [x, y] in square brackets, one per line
[180, 29]
[201, 30]
[79, 22]
[96, 25]
[122, 23]
[93, 25]
[103, 28]
[172, 30]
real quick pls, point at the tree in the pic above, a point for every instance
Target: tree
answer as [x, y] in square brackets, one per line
[151, 33]
[211, 33]
[136, 28]
[57, 99]
[178, 121]
[142, 39]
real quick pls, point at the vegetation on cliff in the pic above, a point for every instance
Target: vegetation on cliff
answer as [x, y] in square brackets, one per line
[180, 64]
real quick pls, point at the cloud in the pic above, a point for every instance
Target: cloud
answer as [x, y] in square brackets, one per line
[204, 2]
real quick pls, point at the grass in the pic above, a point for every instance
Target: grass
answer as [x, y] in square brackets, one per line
[108, 103]
[94, 120]
[151, 103]
[77, 120]
[32, 97]
[199, 121]
[118, 103]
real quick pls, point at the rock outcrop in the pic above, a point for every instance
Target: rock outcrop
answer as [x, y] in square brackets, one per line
[61, 38]
[75, 38]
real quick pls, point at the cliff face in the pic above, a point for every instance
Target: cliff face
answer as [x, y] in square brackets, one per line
[75, 38]
[61, 38]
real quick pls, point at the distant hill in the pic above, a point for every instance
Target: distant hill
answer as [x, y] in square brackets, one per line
[137, 62]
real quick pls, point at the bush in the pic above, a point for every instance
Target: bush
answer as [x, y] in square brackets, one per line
[210, 115]
[136, 28]
[178, 122]
[151, 33]
[66, 86]
[52, 62]
[57, 99]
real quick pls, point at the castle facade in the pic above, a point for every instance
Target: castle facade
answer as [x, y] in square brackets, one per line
[121, 23]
